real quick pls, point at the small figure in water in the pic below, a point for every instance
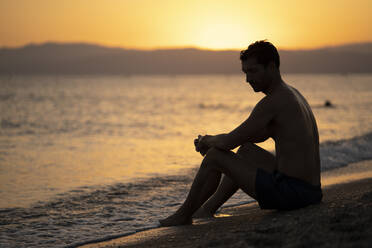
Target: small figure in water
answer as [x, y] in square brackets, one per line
[328, 104]
[288, 180]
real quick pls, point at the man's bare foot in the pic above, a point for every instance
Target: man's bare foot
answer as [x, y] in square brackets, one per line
[175, 220]
[202, 213]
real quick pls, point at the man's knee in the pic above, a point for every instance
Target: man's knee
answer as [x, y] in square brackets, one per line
[214, 156]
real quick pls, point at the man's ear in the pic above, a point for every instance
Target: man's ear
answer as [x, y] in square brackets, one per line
[272, 63]
[271, 66]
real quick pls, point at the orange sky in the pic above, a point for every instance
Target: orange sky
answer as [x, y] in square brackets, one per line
[149, 24]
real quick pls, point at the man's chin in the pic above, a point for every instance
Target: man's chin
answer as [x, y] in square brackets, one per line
[256, 90]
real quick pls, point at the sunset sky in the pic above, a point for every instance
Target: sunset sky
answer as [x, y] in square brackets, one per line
[213, 24]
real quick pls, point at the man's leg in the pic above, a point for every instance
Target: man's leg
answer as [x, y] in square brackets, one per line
[225, 190]
[207, 180]
[255, 156]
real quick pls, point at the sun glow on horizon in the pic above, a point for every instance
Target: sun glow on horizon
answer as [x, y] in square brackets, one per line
[220, 34]
[215, 25]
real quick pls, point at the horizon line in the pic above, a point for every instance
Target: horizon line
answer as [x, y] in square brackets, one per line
[173, 47]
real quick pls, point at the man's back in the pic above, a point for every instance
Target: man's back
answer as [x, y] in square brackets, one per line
[296, 136]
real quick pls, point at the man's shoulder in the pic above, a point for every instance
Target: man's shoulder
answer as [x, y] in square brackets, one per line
[276, 100]
[268, 105]
[266, 102]
[287, 101]
[286, 96]
[284, 99]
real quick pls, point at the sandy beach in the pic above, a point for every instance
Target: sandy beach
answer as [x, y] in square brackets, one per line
[343, 219]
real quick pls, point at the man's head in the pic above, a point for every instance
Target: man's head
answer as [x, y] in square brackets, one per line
[260, 63]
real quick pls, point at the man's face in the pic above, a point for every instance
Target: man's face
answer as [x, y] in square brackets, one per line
[255, 74]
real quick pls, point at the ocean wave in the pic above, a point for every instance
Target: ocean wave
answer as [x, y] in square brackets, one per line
[14, 128]
[334, 154]
[214, 106]
[6, 97]
[104, 212]
[9, 124]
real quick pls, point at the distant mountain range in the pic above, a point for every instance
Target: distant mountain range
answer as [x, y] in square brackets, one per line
[78, 58]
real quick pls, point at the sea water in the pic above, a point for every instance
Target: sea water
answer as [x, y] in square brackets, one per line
[88, 158]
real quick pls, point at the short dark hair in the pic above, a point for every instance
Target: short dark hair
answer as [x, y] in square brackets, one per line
[263, 51]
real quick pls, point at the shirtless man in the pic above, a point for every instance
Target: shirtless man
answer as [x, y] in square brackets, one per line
[288, 180]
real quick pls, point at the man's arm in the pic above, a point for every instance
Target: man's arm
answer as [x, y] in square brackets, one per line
[253, 129]
[260, 136]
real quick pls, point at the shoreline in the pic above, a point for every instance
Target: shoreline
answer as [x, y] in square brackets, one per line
[347, 192]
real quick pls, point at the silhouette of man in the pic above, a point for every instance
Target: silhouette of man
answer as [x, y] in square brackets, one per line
[288, 180]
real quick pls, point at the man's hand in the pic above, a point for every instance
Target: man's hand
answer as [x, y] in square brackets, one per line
[200, 145]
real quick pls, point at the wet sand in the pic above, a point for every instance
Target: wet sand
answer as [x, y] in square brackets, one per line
[343, 219]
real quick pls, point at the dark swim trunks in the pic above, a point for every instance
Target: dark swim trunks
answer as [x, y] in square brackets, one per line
[279, 191]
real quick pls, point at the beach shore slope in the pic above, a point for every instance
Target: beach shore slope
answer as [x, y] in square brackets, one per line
[343, 219]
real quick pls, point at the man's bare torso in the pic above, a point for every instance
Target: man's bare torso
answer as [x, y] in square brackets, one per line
[284, 115]
[295, 133]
